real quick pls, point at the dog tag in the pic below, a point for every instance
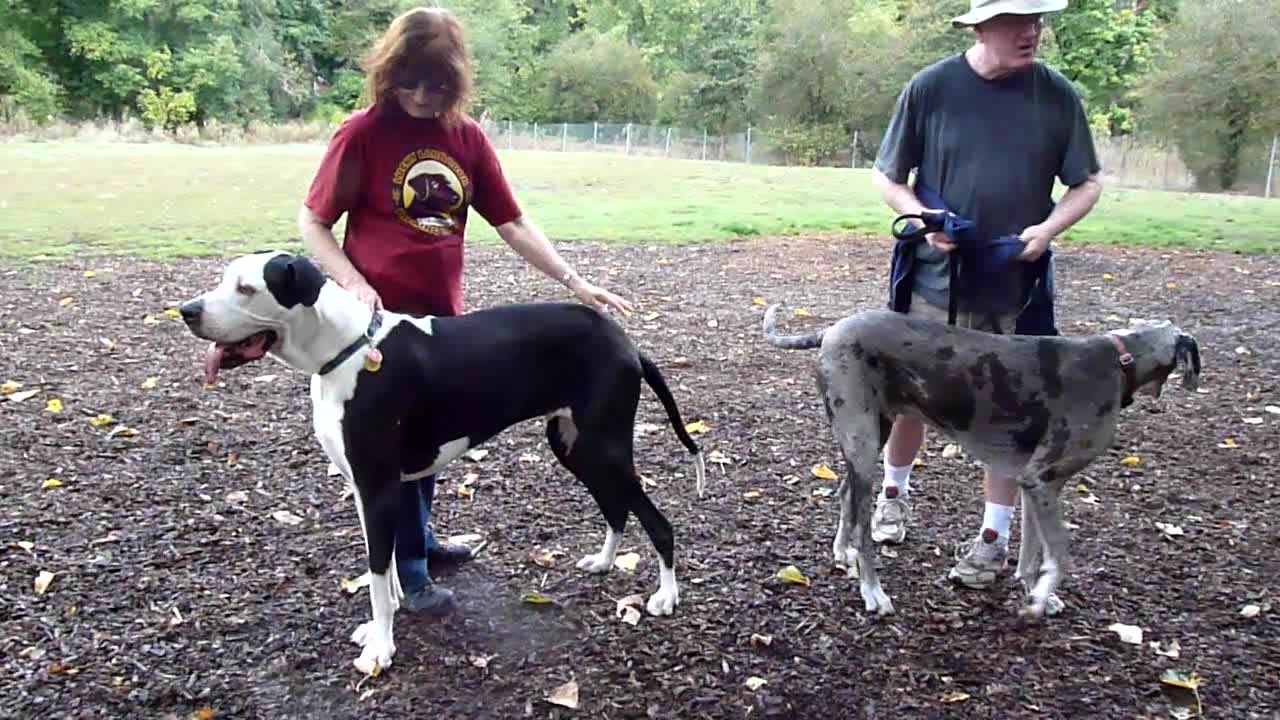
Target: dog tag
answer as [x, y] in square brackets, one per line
[373, 361]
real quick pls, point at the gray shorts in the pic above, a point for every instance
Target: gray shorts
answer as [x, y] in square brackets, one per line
[986, 322]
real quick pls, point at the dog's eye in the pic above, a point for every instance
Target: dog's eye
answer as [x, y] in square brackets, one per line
[245, 290]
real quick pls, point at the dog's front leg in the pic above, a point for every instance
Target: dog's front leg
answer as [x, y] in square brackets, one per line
[1042, 516]
[377, 494]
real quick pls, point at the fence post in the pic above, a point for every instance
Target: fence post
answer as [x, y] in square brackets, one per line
[511, 136]
[535, 135]
[1271, 165]
[628, 150]
[853, 155]
[564, 137]
[748, 145]
[666, 151]
[595, 132]
[704, 143]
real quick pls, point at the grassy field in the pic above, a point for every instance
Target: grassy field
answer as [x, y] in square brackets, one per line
[166, 200]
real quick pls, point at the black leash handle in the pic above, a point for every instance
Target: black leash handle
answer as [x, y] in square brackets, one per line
[931, 222]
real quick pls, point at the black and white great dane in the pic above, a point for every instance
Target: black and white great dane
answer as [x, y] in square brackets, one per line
[397, 397]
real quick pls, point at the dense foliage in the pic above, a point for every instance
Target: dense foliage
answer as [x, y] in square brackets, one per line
[1200, 73]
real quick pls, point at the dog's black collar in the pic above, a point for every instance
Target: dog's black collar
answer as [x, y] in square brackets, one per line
[375, 322]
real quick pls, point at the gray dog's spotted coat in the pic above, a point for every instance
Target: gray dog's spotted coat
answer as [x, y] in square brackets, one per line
[1033, 407]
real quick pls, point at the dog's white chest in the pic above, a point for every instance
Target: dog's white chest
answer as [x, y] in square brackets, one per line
[445, 454]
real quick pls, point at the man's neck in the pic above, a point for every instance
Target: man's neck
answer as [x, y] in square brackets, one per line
[984, 64]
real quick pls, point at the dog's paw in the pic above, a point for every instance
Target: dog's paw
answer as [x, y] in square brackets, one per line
[877, 602]
[663, 602]
[377, 648]
[597, 564]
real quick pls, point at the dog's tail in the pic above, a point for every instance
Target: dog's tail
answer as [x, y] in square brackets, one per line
[653, 376]
[788, 342]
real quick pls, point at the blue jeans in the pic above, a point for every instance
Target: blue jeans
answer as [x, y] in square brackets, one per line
[413, 533]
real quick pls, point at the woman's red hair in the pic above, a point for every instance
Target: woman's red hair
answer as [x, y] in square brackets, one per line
[426, 41]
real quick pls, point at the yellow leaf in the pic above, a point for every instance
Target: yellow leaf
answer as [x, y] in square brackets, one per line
[758, 301]
[66, 301]
[101, 420]
[917, 463]
[1082, 488]
[696, 427]
[823, 472]
[1131, 461]
[42, 582]
[793, 575]
[536, 598]
[172, 313]
[9, 387]
[150, 383]
[1180, 679]
[353, 586]
[53, 406]
[50, 484]
[1108, 276]
[89, 274]
[1228, 443]
[1172, 286]
[204, 713]
[802, 312]
[955, 697]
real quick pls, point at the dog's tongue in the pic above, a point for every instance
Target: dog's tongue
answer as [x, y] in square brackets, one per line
[213, 362]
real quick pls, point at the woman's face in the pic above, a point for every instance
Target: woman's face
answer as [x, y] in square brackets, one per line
[420, 94]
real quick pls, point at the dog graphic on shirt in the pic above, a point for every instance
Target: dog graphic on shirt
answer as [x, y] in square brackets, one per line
[429, 196]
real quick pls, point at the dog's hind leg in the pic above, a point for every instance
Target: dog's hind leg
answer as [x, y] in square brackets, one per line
[858, 436]
[577, 458]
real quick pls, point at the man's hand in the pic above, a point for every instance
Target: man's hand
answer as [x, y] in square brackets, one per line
[939, 240]
[1037, 241]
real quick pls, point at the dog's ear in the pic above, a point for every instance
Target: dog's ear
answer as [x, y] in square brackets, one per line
[1186, 354]
[293, 279]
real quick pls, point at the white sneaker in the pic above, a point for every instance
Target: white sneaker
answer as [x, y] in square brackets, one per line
[889, 521]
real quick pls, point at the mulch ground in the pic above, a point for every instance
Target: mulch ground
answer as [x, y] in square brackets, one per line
[197, 546]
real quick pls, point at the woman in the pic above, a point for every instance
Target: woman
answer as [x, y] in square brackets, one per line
[406, 170]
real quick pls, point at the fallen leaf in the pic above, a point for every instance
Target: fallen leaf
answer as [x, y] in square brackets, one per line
[1082, 488]
[565, 696]
[42, 581]
[50, 484]
[646, 428]
[718, 457]
[477, 454]
[150, 383]
[9, 387]
[1250, 611]
[26, 395]
[89, 274]
[536, 598]
[53, 406]
[285, 517]
[464, 539]
[792, 574]
[353, 586]
[1108, 276]
[628, 609]
[803, 312]
[1170, 529]
[26, 545]
[956, 697]
[698, 426]
[481, 661]
[1252, 421]
[545, 558]
[1175, 678]
[751, 495]
[101, 420]
[761, 640]
[204, 713]
[66, 301]
[172, 314]
[1228, 444]
[1273, 409]
[1171, 286]
[917, 463]
[1131, 461]
[951, 450]
[1169, 649]
[1131, 634]
[627, 561]
[823, 472]
[824, 491]
[755, 683]
[758, 301]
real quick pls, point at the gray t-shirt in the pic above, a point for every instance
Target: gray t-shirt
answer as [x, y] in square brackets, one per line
[992, 149]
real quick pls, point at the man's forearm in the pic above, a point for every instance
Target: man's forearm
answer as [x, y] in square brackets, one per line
[898, 196]
[319, 240]
[1075, 204]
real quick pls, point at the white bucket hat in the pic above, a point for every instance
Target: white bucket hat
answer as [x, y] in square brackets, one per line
[983, 10]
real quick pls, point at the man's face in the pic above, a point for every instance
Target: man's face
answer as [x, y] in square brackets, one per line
[1012, 40]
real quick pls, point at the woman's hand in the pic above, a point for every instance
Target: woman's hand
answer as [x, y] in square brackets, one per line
[598, 297]
[363, 291]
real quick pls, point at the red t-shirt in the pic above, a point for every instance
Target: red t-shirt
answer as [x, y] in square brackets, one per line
[406, 185]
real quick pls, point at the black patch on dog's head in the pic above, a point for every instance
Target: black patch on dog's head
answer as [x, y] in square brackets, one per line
[293, 279]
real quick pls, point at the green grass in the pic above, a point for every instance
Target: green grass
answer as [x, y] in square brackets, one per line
[165, 200]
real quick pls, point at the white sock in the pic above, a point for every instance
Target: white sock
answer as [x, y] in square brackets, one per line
[899, 477]
[998, 517]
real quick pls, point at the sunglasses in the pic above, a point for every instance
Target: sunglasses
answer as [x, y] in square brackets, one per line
[408, 80]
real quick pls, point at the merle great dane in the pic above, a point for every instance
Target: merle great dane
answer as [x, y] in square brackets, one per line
[397, 397]
[1039, 408]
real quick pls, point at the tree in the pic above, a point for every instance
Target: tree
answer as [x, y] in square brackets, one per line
[1215, 88]
[593, 76]
[713, 91]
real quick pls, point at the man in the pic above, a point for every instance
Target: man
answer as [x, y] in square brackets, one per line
[987, 131]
